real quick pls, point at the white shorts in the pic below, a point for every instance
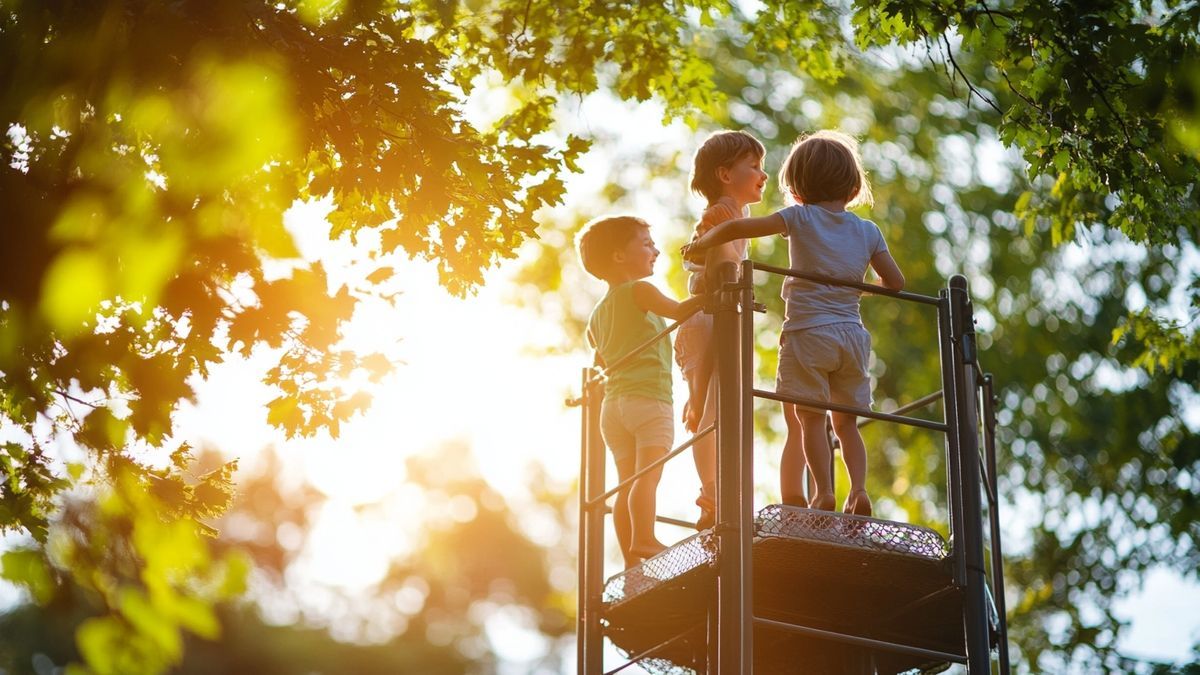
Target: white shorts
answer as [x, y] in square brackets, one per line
[826, 363]
[693, 343]
[631, 423]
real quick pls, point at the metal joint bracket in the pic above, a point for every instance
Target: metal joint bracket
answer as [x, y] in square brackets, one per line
[968, 347]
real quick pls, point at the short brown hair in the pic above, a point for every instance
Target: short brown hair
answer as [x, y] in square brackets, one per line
[721, 148]
[603, 236]
[825, 166]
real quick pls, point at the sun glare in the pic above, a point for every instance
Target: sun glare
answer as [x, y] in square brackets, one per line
[470, 373]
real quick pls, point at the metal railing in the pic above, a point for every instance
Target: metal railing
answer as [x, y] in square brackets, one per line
[967, 394]
[593, 503]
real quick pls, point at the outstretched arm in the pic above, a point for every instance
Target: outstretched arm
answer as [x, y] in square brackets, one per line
[889, 272]
[742, 228]
[650, 299]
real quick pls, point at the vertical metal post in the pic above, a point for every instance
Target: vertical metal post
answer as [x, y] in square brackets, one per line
[976, 618]
[712, 636]
[834, 444]
[582, 552]
[989, 446]
[590, 643]
[950, 408]
[731, 623]
[746, 453]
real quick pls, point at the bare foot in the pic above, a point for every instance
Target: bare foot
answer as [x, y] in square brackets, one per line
[858, 503]
[823, 502]
[647, 549]
[795, 500]
[708, 512]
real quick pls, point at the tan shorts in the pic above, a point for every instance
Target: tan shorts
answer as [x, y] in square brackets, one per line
[631, 423]
[826, 363]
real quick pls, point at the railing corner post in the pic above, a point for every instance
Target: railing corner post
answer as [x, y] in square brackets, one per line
[589, 637]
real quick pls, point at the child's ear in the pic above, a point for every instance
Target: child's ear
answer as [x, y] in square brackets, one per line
[724, 175]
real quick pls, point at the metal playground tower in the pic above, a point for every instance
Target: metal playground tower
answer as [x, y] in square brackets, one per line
[793, 590]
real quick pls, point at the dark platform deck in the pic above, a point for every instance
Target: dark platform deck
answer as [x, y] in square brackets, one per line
[830, 571]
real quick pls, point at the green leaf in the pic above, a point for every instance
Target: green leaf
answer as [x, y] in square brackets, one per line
[28, 568]
[75, 283]
[284, 413]
[101, 640]
[147, 620]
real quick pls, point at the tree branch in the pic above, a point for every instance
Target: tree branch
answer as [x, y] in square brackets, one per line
[970, 87]
[69, 397]
[1097, 86]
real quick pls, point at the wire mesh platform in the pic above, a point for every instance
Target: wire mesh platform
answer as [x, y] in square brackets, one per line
[850, 574]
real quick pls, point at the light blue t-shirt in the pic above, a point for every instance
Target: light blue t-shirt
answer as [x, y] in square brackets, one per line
[838, 245]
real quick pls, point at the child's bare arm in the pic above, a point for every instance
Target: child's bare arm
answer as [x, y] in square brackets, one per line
[742, 228]
[650, 299]
[724, 209]
[597, 360]
[889, 272]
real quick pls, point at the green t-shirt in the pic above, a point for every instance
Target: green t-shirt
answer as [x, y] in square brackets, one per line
[616, 327]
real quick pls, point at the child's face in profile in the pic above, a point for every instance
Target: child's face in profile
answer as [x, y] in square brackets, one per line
[639, 255]
[746, 180]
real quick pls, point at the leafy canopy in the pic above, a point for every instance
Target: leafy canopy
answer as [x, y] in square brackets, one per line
[1095, 449]
[152, 148]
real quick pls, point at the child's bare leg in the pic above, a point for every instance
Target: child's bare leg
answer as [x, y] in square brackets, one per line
[643, 505]
[622, 522]
[791, 463]
[704, 452]
[698, 388]
[854, 452]
[819, 455]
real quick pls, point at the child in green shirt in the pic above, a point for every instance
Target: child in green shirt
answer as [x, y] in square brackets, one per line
[636, 416]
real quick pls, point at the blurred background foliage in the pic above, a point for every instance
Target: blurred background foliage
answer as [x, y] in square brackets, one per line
[1047, 150]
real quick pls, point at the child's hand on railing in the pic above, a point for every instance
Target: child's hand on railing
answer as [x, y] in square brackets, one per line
[691, 253]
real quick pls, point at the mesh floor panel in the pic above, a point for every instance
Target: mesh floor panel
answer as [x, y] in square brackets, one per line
[861, 576]
[695, 552]
[850, 530]
[664, 597]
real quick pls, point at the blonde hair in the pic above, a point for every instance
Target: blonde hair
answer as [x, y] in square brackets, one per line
[825, 166]
[720, 149]
[603, 236]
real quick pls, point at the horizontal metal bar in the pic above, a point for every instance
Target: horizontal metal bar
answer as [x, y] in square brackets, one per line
[832, 281]
[851, 410]
[862, 641]
[657, 463]
[908, 407]
[647, 652]
[666, 520]
[899, 612]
